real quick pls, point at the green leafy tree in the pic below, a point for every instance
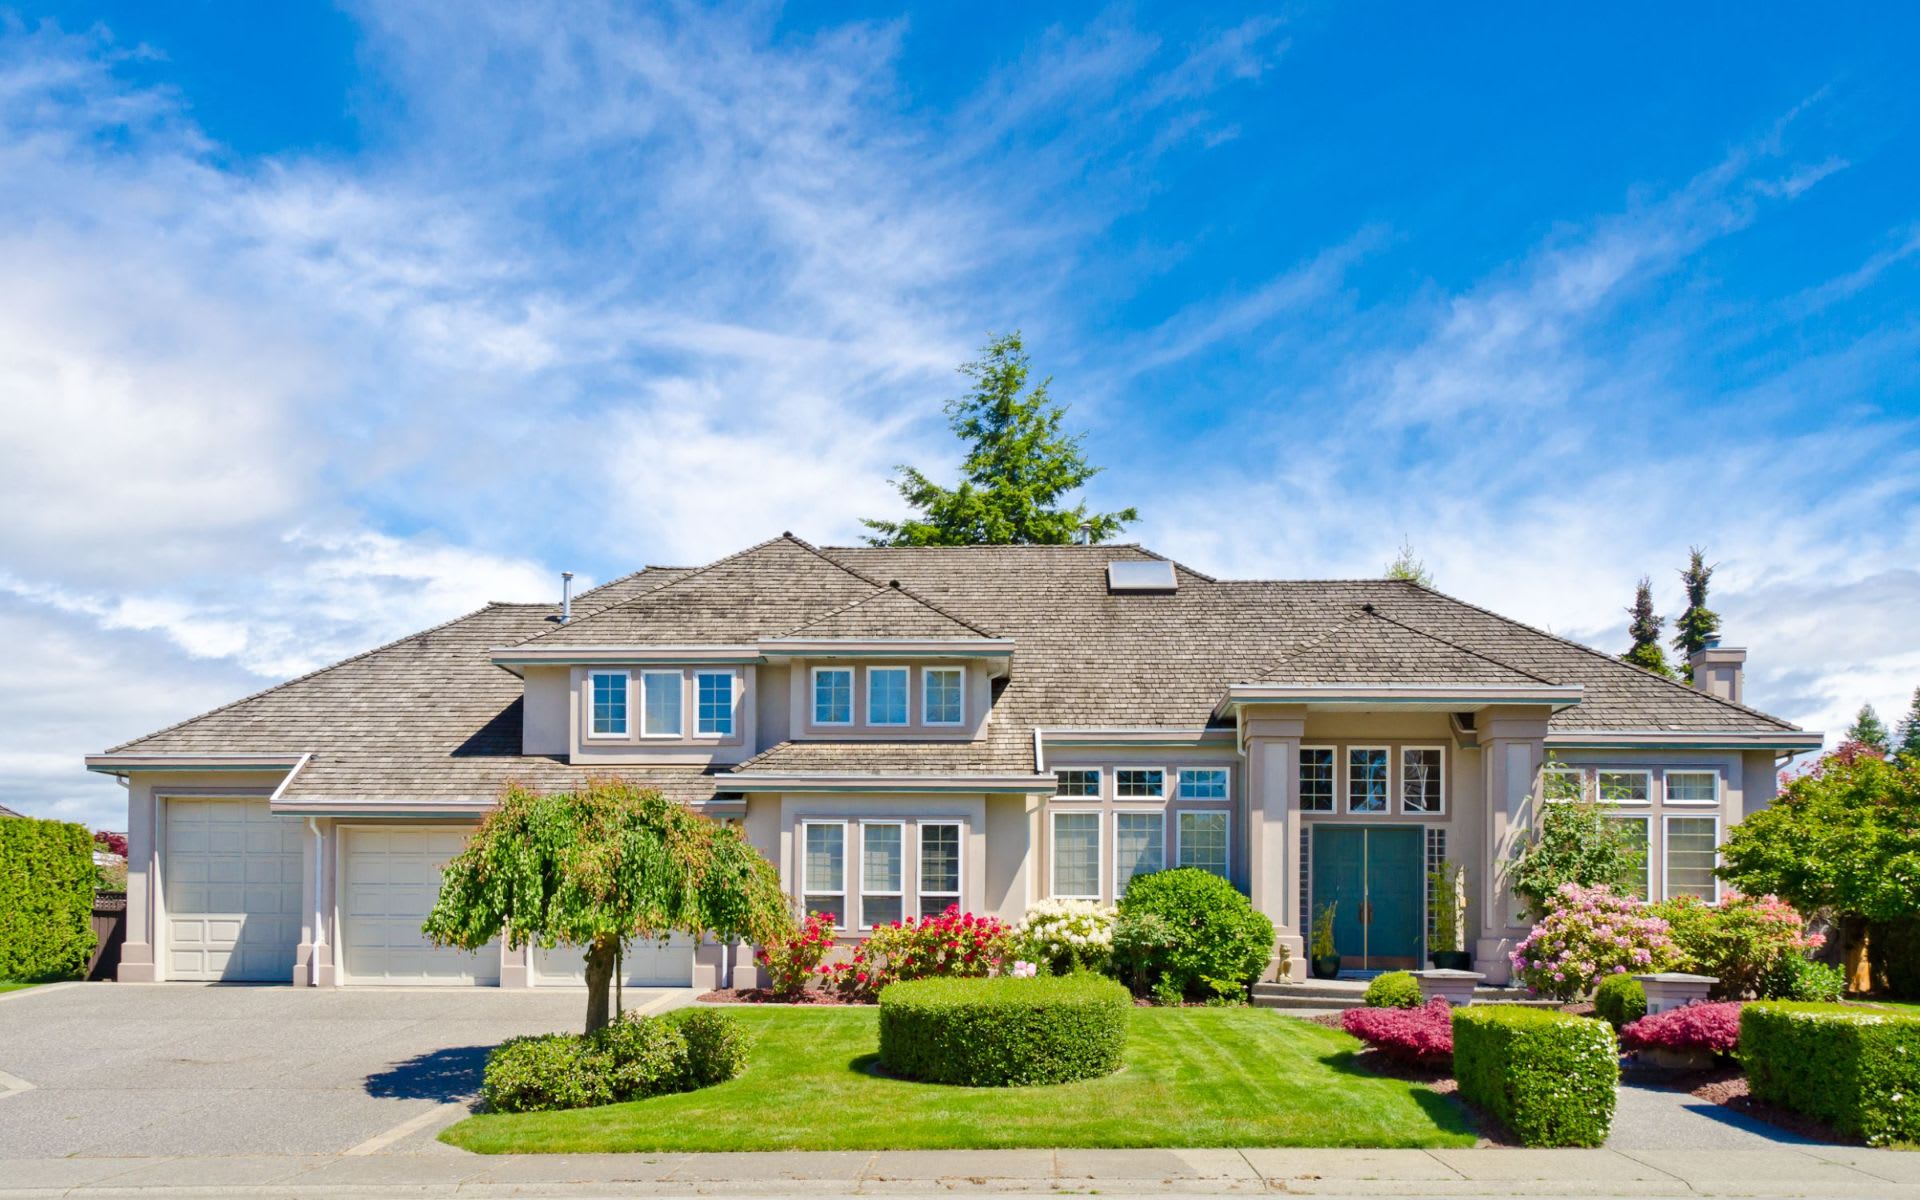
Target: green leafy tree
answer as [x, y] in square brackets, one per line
[1576, 843]
[1698, 624]
[1908, 744]
[1406, 566]
[599, 867]
[1019, 466]
[1645, 629]
[1869, 731]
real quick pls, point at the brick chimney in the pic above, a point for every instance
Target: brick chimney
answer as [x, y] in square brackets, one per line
[1719, 670]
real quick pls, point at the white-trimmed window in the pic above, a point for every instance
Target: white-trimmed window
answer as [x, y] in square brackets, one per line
[943, 699]
[1139, 783]
[1562, 784]
[1201, 840]
[609, 703]
[886, 695]
[939, 866]
[1367, 779]
[660, 704]
[823, 868]
[1077, 781]
[713, 703]
[1316, 779]
[1203, 783]
[1640, 827]
[1624, 786]
[1423, 779]
[833, 695]
[1139, 846]
[882, 872]
[1692, 852]
[1076, 855]
[1693, 787]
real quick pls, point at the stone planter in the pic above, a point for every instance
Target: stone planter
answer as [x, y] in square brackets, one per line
[1455, 987]
[1674, 989]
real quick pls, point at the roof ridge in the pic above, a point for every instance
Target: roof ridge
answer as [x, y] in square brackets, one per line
[893, 584]
[1150, 553]
[891, 588]
[1467, 650]
[318, 671]
[601, 587]
[674, 582]
[1346, 618]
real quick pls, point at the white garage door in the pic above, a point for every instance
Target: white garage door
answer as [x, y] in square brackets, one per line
[231, 875]
[648, 964]
[391, 878]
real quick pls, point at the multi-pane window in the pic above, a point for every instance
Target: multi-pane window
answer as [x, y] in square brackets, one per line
[1076, 855]
[886, 695]
[1421, 788]
[660, 704]
[1139, 846]
[1640, 885]
[610, 703]
[882, 872]
[1690, 857]
[945, 700]
[823, 868]
[1563, 783]
[1366, 780]
[1625, 787]
[1316, 779]
[1077, 781]
[714, 703]
[1139, 783]
[1203, 841]
[832, 696]
[939, 868]
[1203, 783]
[1693, 787]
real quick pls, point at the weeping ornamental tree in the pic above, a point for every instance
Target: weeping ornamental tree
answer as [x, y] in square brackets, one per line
[599, 867]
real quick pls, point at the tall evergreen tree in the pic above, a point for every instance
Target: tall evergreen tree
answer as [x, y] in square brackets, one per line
[1907, 745]
[1868, 730]
[1019, 466]
[1698, 623]
[1406, 566]
[1645, 628]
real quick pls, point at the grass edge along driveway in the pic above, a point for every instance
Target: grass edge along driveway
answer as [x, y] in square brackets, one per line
[1192, 1077]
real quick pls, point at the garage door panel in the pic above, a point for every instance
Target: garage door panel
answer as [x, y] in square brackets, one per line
[392, 880]
[646, 964]
[232, 875]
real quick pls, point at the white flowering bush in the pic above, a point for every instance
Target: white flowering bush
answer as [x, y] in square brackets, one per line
[1066, 936]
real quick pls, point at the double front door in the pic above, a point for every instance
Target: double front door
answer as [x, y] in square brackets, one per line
[1376, 880]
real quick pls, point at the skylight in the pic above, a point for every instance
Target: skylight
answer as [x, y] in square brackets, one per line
[1141, 575]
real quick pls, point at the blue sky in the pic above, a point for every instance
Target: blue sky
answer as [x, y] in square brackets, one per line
[324, 324]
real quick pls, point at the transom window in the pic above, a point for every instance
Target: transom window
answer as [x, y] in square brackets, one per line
[1316, 779]
[945, 695]
[939, 867]
[1691, 857]
[1139, 783]
[886, 695]
[1693, 787]
[823, 868]
[1203, 783]
[1203, 841]
[714, 703]
[1366, 780]
[1077, 781]
[832, 696]
[1626, 787]
[609, 703]
[882, 872]
[1076, 855]
[1559, 784]
[1641, 885]
[660, 704]
[1422, 780]
[1139, 847]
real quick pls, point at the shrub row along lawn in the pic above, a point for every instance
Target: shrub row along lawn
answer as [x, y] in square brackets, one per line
[1190, 1077]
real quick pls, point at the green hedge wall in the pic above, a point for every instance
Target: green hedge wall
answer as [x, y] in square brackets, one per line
[46, 899]
[1004, 1031]
[1550, 1077]
[1852, 1067]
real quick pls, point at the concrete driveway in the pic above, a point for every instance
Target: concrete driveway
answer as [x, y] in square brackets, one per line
[182, 1069]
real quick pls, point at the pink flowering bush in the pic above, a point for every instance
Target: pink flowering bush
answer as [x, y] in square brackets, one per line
[953, 944]
[1741, 941]
[792, 962]
[1423, 1036]
[1587, 935]
[1710, 1027]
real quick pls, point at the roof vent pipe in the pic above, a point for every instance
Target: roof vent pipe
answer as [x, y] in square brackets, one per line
[566, 596]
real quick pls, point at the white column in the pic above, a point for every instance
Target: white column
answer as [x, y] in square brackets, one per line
[1273, 821]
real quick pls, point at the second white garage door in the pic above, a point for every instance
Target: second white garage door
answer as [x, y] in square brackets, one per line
[648, 964]
[390, 878]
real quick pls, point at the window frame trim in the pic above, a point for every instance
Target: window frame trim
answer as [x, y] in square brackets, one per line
[1580, 773]
[926, 681]
[900, 893]
[1601, 797]
[1666, 851]
[1179, 789]
[906, 695]
[1113, 873]
[813, 696]
[1666, 789]
[1053, 850]
[805, 824]
[1385, 810]
[1402, 791]
[733, 703]
[1161, 797]
[1227, 843]
[1333, 797]
[679, 677]
[626, 731]
[920, 892]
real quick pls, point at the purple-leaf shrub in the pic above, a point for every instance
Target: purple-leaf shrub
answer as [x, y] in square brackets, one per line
[1416, 1035]
[1714, 1027]
[1587, 935]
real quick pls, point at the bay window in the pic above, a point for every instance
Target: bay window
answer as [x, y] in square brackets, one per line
[1692, 853]
[1076, 855]
[1138, 847]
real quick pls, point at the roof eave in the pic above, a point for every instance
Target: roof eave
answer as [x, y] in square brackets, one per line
[1353, 697]
[130, 762]
[1796, 740]
[889, 782]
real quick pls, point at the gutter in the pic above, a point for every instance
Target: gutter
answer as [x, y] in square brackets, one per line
[1793, 741]
[853, 781]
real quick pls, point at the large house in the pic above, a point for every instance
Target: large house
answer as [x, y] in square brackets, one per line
[903, 729]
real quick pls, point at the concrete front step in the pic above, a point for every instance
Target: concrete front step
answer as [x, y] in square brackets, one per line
[1334, 994]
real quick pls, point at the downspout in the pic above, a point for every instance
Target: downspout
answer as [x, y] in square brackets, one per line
[319, 928]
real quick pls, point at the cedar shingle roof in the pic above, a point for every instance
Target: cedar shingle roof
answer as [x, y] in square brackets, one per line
[1366, 647]
[887, 612]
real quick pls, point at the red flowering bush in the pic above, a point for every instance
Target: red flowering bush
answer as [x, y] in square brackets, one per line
[1711, 1027]
[791, 963]
[112, 843]
[1423, 1036]
[953, 944]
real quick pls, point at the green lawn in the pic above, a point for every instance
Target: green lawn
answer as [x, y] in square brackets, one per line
[1193, 1077]
[10, 986]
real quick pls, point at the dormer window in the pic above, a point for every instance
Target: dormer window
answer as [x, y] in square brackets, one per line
[886, 695]
[609, 704]
[833, 695]
[660, 704]
[945, 702]
[713, 698]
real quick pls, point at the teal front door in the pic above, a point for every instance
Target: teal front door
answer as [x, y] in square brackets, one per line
[1375, 880]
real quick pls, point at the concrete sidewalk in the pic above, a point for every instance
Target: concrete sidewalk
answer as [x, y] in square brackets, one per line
[1819, 1171]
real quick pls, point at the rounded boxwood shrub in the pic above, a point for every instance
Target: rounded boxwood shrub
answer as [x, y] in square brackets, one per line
[1394, 989]
[1004, 1031]
[1218, 942]
[716, 1044]
[1620, 1000]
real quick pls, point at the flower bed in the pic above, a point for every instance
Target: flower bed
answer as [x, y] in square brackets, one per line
[951, 945]
[1418, 1036]
[1004, 1031]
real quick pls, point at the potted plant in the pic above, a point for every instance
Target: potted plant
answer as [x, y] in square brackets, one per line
[1449, 885]
[1322, 957]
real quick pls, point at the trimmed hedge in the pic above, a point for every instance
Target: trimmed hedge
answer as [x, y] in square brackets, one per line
[1550, 1077]
[1219, 945]
[1852, 1067]
[46, 899]
[1395, 989]
[1004, 1031]
[630, 1059]
[1620, 1000]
